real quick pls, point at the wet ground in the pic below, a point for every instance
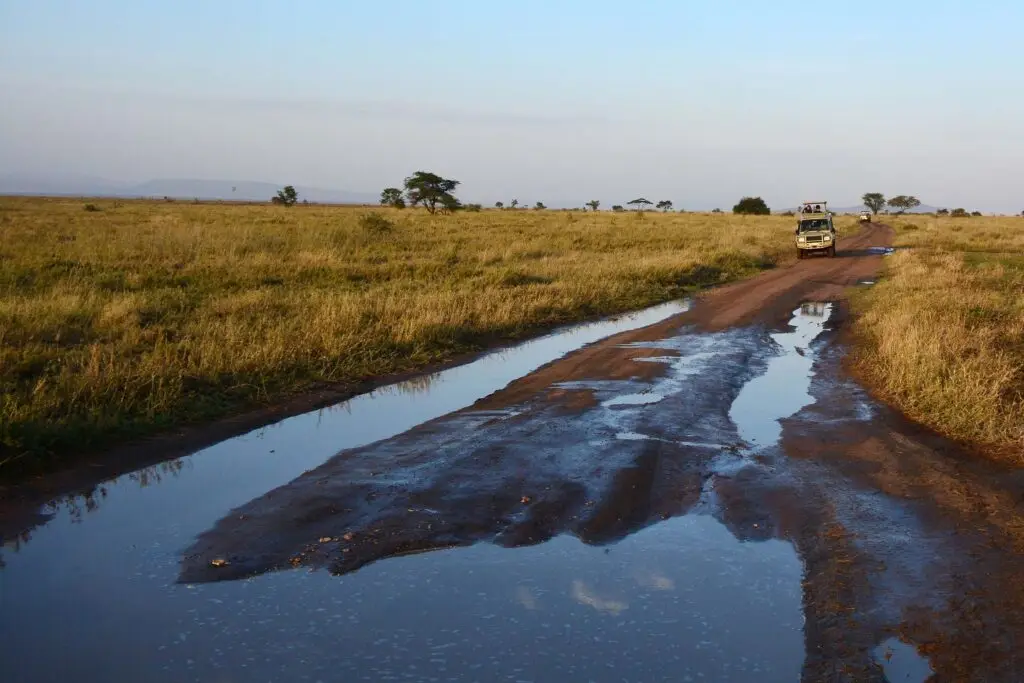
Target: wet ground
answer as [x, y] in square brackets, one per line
[694, 493]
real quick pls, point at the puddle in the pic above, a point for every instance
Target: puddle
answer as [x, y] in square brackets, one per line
[901, 662]
[102, 571]
[660, 605]
[784, 387]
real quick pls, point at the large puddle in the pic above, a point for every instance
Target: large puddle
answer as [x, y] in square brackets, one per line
[92, 595]
[784, 387]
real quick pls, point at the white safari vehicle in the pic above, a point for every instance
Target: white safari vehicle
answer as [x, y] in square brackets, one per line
[865, 216]
[815, 231]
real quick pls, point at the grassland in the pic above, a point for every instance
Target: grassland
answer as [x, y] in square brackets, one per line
[132, 317]
[942, 335]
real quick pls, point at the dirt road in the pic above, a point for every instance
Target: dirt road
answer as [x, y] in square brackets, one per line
[737, 409]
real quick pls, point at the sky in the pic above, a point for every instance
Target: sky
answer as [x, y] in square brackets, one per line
[561, 101]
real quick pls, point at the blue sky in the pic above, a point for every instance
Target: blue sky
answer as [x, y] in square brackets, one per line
[699, 102]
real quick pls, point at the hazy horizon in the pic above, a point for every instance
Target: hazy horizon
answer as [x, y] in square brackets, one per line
[700, 103]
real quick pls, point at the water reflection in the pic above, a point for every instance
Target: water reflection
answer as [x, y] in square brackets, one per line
[228, 473]
[784, 388]
[74, 508]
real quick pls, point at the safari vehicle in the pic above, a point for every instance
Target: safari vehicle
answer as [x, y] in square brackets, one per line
[865, 216]
[815, 231]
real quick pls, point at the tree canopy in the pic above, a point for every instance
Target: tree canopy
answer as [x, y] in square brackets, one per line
[432, 191]
[665, 205]
[753, 206]
[875, 201]
[903, 203]
[392, 196]
[286, 196]
[594, 204]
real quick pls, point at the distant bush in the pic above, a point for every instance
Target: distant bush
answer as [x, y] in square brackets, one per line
[975, 213]
[92, 207]
[392, 196]
[716, 211]
[618, 207]
[788, 213]
[287, 196]
[376, 224]
[942, 212]
[959, 213]
[754, 206]
[475, 208]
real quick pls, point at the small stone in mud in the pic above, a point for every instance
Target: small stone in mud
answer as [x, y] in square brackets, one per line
[348, 536]
[219, 562]
[326, 539]
[524, 500]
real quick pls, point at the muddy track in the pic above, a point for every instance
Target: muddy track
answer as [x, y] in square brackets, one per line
[900, 534]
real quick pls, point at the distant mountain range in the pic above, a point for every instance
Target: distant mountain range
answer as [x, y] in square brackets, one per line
[178, 188]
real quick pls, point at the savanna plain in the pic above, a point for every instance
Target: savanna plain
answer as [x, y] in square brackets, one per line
[125, 318]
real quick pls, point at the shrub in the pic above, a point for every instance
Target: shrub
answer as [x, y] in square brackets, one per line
[752, 206]
[475, 208]
[92, 207]
[376, 224]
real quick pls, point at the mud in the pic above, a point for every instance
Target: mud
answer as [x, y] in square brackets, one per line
[709, 497]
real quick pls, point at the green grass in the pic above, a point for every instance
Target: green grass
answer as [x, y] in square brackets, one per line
[131, 317]
[942, 335]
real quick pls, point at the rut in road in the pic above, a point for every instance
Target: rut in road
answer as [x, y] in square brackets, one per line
[894, 531]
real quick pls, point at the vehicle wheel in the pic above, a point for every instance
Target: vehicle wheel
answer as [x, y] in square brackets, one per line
[832, 251]
[800, 254]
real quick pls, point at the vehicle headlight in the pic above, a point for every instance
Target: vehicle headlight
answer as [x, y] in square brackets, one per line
[828, 238]
[801, 239]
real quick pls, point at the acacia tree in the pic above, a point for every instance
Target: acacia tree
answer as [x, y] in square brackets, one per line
[286, 196]
[665, 205]
[753, 206]
[392, 196]
[640, 203]
[875, 201]
[499, 205]
[904, 203]
[539, 206]
[514, 203]
[594, 204]
[432, 191]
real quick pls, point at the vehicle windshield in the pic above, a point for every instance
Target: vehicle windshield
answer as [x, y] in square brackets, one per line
[813, 225]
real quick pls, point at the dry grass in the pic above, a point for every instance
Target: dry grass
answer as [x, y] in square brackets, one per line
[136, 316]
[942, 335]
